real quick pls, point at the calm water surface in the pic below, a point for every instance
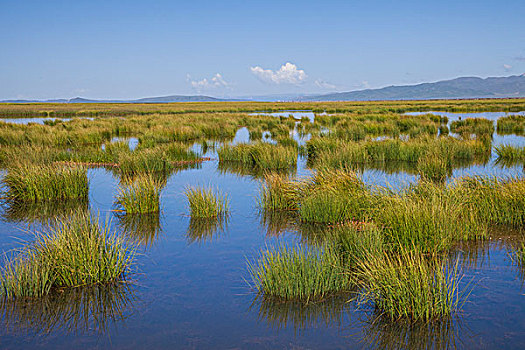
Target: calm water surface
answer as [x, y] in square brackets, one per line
[190, 289]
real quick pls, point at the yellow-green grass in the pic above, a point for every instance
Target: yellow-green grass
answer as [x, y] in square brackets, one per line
[509, 154]
[141, 196]
[299, 274]
[410, 286]
[476, 126]
[261, 154]
[427, 216]
[206, 203]
[494, 200]
[72, 252]
[36, 183]
[512, 124]
[434, 168]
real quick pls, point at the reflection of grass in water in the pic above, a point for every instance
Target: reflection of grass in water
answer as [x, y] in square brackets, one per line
[241, 169]
[83, 310]
[383, 333]
[42, 211]
[205, 229]
[276, 223]
[279, 314]
[142, 228]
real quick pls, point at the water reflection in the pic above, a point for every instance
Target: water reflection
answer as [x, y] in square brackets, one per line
[255, 172]
[383, 333]
[202, 230]
[278, 314]
[142, 229]
[84, 310]
[41, 212]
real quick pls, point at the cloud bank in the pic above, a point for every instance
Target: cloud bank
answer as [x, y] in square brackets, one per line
[215, 82]
[287, 74]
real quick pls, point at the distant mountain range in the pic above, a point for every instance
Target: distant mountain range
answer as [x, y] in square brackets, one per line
[163, 99]
[465, 87]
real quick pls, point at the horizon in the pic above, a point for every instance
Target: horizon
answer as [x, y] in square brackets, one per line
[99, 50]
[253, 98]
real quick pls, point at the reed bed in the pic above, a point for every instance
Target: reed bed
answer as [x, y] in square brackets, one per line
[337, 154]
[34, 183]
[206, 203]
[72, 252]
[141, 196]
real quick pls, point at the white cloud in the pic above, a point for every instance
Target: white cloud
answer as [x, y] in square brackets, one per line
[287, 74]
[215, 82]
[325, 85]
[507, 67]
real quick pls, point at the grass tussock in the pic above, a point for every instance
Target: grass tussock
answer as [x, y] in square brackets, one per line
[509, 154]
[512, 124]
[496, 201]
[428, 216]
[410, 286]
[141, 196]
[33, 183]
[206, 203]
[261, 154]
[71, 252]
[300, 274]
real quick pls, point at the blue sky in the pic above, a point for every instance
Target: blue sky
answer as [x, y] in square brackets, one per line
[131, 49]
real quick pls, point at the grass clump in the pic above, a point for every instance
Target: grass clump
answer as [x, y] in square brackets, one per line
[434, 168]
[70, 252]
[205, 203]
[33, 183]
[141, 196]
[509, 154]
[512, 124]
[299, 274]
[334, 196]
[409, 286]
[428, 216]
[278, 192]
[496, 201]
[261, 154]
[476, 126]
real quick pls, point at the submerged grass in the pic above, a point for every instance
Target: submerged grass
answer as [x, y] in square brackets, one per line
[70, 252]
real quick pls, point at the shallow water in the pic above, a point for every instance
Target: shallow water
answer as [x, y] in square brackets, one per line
[40, 120]
[191, 291]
